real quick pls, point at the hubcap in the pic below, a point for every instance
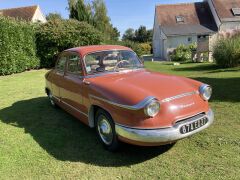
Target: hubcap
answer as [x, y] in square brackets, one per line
[105, 130]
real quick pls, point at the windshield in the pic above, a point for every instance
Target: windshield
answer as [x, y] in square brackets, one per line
[109, 61]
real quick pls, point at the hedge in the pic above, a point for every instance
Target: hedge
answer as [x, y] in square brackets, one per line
[58, 35]
[227, 52]
[17, 46]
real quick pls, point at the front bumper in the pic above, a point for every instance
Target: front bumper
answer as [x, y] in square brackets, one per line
[164, 135]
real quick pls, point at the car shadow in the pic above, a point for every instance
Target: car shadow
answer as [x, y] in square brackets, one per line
[67, 139]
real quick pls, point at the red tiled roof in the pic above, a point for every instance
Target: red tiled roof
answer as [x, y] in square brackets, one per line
[25, 13]
[197, 18]
[224, 8]
[193, 13]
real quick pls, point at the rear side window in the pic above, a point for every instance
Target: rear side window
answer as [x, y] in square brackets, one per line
[74, 65]
[61, 63]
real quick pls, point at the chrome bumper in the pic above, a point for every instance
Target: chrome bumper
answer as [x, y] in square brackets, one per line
[161, 135]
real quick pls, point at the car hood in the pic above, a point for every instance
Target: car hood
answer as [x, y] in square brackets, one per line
[131, 87]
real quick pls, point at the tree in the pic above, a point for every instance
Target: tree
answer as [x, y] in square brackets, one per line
[129, 35]
[115, 34]
[80, 11]
[53, 16]
[140, 35]
[94, 13]
[100, 18]
[72, 9]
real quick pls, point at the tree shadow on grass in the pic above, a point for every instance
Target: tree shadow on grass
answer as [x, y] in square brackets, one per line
[67, 139]
[202, 67]
[207, 68]
[224, 89]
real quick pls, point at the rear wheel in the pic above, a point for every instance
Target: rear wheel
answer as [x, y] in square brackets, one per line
[105, 128]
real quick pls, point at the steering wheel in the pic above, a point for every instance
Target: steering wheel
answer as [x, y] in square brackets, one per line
[115, 68]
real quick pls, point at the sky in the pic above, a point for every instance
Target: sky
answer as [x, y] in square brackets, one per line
[124, 14]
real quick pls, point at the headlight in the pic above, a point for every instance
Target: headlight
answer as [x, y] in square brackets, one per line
[205, 92]
[152, 108]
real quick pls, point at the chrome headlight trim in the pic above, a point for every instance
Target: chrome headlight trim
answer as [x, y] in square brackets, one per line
[205, 92]
[152, 108]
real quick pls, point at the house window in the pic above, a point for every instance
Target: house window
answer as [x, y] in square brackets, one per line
[179, 19]
[189, 39]
[236, 11]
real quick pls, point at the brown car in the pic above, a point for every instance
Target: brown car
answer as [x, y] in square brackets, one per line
[106, 87]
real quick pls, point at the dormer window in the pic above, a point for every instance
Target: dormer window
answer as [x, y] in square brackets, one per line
[179, 19]
[236, 11]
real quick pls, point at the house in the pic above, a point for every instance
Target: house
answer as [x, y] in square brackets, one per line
[29, 13]
[226, 14]
[187, 23]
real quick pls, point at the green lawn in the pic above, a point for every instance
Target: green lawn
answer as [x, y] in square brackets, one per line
[40, 142]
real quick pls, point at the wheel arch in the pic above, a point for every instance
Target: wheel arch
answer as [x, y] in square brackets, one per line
[92, 112]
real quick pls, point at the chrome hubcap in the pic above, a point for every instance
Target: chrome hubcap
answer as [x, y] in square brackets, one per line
[105, 130]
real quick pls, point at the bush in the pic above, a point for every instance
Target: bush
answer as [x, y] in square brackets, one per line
[18, 49]
[143, 49]
[139, 48]
[227, 52]
[58, 35]
[183, 53]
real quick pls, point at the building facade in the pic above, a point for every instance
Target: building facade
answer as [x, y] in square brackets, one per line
[29, 13]
[199, 23]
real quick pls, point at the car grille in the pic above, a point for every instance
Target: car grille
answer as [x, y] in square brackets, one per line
[192, 118]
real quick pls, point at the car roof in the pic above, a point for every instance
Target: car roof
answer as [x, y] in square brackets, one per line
[83, 50]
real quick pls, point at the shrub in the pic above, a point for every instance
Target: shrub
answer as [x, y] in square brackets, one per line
[18, 49]
[139, 48]
[227, 52]
[143, 49]
[183, 53]
[58, 35]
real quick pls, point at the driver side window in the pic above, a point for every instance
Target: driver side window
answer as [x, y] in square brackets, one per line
[60, 66]
[74, 65]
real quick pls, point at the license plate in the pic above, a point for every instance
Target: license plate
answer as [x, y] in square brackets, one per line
[193, 126]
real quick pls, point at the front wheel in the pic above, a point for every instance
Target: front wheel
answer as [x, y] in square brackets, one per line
[106, 130]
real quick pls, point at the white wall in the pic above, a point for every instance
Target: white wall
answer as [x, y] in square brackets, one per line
[39, 16]
[175, 41]
[229, 26]
[156, 38]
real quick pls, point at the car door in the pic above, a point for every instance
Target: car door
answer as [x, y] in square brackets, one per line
[57, 76]
[72, 90]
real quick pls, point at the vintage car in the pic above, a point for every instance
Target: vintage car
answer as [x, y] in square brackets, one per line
[107, 88]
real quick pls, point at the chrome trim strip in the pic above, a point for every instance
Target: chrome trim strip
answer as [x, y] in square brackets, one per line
[179, 96]
[138, 106]
[144, 102]
[161, 135]
[71, 106]
[56, 98]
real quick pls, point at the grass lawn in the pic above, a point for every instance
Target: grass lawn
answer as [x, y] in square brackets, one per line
[40, 142]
